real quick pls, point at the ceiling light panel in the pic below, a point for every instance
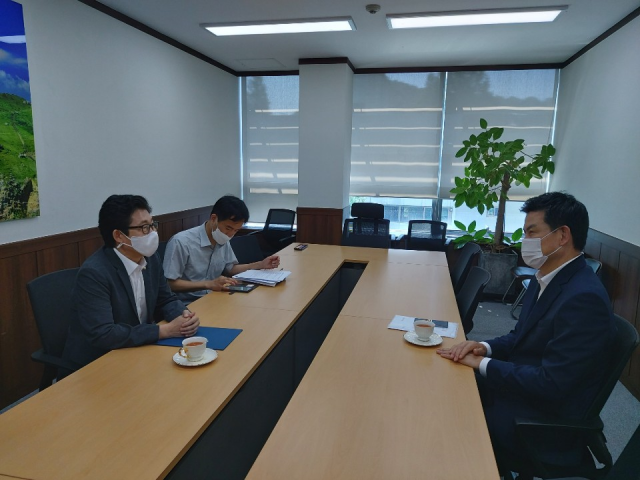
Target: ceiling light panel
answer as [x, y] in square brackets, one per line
[281, 26]
[474, 17]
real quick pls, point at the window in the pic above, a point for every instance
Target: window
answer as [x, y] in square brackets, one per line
[403, 147]
[270, 144]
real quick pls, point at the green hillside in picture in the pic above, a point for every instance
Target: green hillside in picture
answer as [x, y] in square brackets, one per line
[18, 184]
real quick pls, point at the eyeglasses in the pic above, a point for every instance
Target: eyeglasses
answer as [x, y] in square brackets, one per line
[147, 228]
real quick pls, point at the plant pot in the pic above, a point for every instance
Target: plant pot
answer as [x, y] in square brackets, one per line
[499, 265]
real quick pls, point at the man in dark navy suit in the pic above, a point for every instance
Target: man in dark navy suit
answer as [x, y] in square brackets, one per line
[554, 361]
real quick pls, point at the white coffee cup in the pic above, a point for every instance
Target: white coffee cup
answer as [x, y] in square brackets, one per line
[424, 329]
[193, 348]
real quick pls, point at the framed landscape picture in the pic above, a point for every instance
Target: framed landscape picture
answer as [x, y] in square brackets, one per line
[18, 178]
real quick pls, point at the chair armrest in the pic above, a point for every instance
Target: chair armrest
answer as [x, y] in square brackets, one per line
[53, 361]
[592, 424]
[289, 239]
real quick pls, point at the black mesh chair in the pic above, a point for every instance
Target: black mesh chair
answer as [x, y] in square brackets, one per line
[427, 235]
[470, 294]
[591, 440]
[278, 230]
[519, 273]
[246, 248]
[368, 229]
[162, 247]
[468, 256]
[50, 297]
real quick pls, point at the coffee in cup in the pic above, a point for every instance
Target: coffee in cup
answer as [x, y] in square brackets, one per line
[193, 348]
[424, 329]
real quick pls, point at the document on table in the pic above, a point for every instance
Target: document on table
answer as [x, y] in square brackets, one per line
[400, 322]
[263, 277]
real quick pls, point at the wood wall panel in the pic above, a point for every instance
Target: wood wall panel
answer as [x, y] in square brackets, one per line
[23, 261]
[88, 247]
[58, 258]
[320, 225]
[169, 229]
[18, 335]
[191, 222]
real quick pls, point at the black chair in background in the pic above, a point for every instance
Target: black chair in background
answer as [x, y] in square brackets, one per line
[468, 255]
[246, 248]
[50, 297]
[368, 228]
[470, 294]
[519, 273]
[278, 230]
[162, 247]
[427, 235]
[594, 264]
[534, 433]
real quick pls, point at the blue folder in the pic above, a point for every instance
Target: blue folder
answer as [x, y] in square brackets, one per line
[218, 338]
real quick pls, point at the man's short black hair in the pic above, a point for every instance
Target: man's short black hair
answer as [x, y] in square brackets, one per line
[562, 209]
[231, 208]
[115, 214]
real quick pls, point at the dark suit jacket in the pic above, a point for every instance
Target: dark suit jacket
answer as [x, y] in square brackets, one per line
[104, 315]
[556, 357]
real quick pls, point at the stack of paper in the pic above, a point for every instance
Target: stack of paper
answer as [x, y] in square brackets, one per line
[263, 277]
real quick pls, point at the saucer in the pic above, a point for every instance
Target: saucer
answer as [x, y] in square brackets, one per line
[434, 339]
[208, 357]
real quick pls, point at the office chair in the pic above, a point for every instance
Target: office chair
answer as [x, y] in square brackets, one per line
[246, 248]
[469, 296]
[50, 297]
[427, 235]
[468, 256]
[595, 265]
[519, 273]
[162, 247]
[278, 230]
[368, 228]
[532, 433]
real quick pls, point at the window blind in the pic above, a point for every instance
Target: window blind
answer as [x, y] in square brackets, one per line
[270, 143]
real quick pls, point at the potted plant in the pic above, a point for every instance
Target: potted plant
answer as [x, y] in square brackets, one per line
[494, 166]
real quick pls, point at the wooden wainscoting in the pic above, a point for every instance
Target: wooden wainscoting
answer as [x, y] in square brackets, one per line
[320, 225]
[621, 277]
[23, 261]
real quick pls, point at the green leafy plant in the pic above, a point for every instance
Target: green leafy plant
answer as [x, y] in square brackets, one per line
[494, 166]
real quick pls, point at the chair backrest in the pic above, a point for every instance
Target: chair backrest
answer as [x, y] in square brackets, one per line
[366, 232]
[50, 297]
[460, 270]
[279, 224]
[246, 248]
[162, 247]
[426, 235]
[594, 264]
[367, 210]
[469, 295]
[625, 343]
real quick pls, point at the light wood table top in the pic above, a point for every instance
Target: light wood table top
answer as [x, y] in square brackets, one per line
[357, 254]
[133, 413]
[372, 406]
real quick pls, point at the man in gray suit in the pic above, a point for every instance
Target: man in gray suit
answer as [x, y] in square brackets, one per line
[121, 286]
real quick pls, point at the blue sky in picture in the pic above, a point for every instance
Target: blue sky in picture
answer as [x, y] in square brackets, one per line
[14, 73]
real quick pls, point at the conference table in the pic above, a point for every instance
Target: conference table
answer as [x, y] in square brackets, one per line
[314, 387]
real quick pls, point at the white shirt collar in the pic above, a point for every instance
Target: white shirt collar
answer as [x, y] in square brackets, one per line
[546, 279]
[129, 265]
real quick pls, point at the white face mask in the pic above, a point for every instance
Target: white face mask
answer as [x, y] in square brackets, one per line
[145, 245]
[219, 237]
[532, 251]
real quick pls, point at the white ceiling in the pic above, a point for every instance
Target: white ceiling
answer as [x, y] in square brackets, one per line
[373, 45]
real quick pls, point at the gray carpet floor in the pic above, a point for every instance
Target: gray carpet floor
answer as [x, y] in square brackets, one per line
[621, 413]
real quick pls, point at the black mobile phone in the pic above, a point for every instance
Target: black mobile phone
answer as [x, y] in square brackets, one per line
[242, 288]
[441, 323]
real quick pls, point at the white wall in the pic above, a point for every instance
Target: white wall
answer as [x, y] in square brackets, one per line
[598, 133]
[118, 111]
